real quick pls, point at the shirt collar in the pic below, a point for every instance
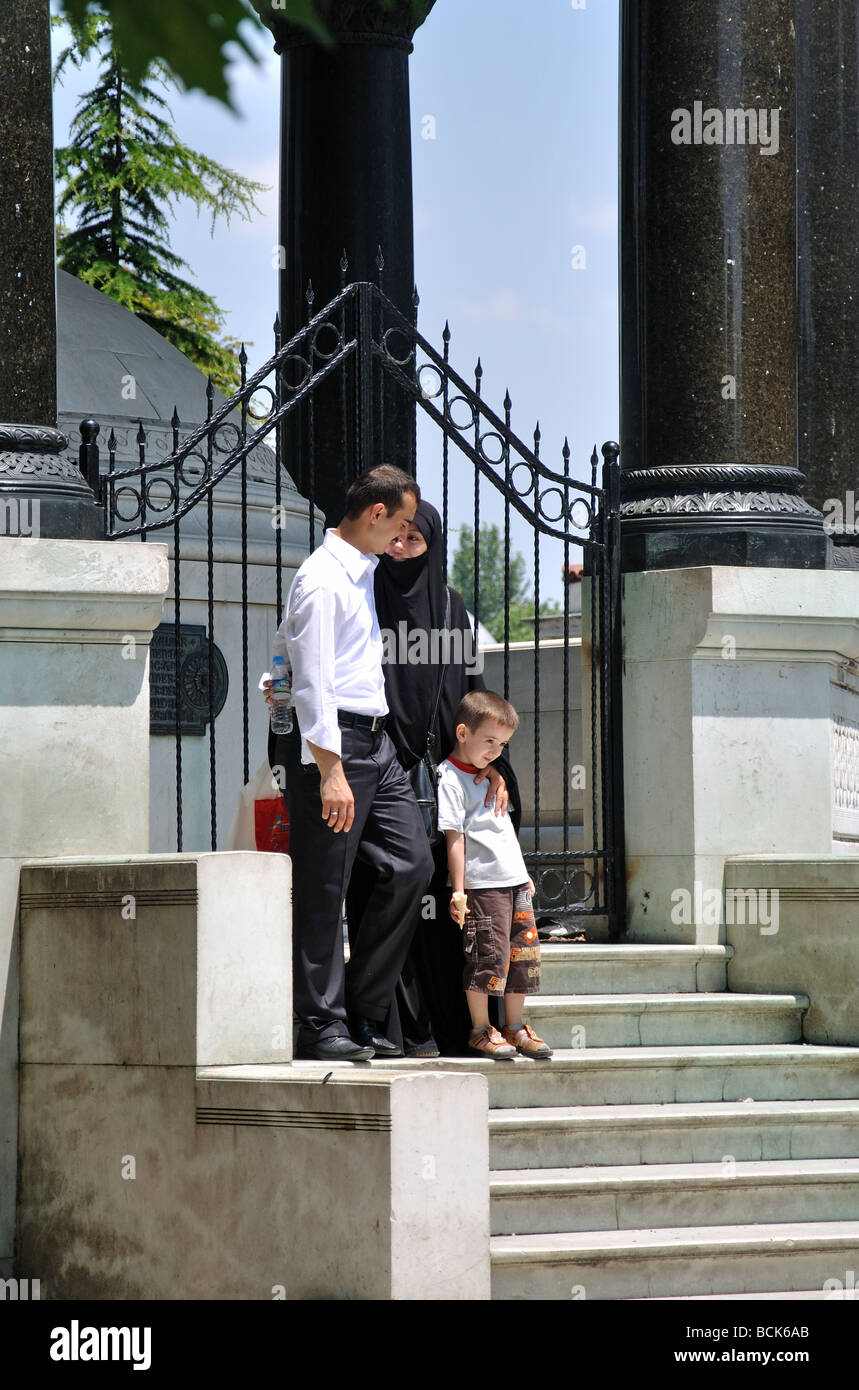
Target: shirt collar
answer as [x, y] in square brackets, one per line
[464, 767]
[354, 562]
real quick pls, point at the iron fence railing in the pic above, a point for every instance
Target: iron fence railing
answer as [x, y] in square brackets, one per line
[363, 359]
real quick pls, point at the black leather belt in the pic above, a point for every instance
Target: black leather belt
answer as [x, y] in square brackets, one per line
[363, 721]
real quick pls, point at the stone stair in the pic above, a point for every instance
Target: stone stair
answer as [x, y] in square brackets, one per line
[687, 1145]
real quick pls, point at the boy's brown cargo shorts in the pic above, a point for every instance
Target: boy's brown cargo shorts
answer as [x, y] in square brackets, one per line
[502, 953]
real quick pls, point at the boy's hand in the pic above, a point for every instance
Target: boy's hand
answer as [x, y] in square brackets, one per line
[531, 887]
[497, 789]
[458, 908]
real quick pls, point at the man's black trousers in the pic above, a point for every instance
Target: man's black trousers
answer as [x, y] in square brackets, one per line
[387, 832]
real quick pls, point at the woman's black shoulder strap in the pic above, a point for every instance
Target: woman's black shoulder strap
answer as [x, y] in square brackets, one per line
[431, 732]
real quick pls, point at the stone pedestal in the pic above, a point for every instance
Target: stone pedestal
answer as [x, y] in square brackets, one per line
[793, 923]
[741, 732]
[155, 1050]
[75, 623]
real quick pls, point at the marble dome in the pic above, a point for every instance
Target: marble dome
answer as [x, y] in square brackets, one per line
[104, 353]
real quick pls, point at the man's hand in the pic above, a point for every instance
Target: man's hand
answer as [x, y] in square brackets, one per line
[267, 695]
[497, 789]
[338, 803]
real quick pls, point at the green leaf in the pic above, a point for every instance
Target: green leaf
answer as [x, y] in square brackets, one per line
[189, 36]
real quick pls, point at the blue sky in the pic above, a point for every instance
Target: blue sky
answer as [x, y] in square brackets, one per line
[523, 167]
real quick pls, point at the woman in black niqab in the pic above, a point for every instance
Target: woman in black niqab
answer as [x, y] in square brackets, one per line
[429, 1007]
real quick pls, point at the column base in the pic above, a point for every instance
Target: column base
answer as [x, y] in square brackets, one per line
[687, 543]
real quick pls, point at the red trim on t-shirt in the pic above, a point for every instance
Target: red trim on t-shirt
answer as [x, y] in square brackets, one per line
[463, 767]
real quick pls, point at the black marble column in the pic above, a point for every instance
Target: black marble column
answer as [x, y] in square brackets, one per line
[828, 262]
[346, 185]
[31, 470]
[708, 268]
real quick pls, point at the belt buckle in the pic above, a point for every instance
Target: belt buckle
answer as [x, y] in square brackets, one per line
[377, 721]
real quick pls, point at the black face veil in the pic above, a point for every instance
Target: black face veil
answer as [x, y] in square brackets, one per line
[412, 592]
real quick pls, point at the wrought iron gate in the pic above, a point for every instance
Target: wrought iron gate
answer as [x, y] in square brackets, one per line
[365, 349]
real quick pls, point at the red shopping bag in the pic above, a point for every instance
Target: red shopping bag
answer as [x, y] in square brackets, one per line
[271, 825]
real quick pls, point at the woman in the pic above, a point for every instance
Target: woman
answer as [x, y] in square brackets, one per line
[430, 1014]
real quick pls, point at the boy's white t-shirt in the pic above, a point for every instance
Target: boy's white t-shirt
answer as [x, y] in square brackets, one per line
[493, 858]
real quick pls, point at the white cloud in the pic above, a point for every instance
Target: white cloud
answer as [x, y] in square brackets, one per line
[599, 217]
[506, 305]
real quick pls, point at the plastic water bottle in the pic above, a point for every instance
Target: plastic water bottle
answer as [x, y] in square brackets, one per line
[281, 714]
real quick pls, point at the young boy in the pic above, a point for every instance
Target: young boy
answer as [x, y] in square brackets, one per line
[502, 953]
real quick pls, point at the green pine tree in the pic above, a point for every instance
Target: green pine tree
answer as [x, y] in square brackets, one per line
[492, 595]
[122, 173]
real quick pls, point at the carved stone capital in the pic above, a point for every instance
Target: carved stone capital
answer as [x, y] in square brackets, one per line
[350, 22]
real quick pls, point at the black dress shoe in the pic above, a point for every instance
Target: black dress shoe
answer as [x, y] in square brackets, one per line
[337, 1049]
[366, 1032]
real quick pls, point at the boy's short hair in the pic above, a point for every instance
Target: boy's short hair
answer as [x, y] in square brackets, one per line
[478, 705]
[384, 483]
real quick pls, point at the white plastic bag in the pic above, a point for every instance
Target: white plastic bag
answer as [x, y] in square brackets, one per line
[262, 787]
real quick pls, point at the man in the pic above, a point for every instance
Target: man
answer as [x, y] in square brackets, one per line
[346, 791]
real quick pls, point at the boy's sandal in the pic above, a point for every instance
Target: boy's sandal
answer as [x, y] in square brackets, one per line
[525, 1040]
[489, 1041]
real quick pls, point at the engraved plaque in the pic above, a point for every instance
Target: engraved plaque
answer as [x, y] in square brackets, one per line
[194, 679]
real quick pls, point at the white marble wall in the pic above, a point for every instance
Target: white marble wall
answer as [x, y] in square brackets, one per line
[75, 622]
[733, 678]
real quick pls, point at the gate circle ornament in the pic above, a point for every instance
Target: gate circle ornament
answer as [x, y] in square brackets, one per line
[541, 500]
[579, 508]
[522, 492]
[428, 367]
[117, 510]
[236, 438]
[306, 367]
[492, 434]
[191, 476]
[400, 361]
[550, 895]
[258, 411]
[167, 501]
[472, 413]
[338, 341]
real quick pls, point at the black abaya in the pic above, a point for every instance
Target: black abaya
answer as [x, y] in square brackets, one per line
[430, 1000]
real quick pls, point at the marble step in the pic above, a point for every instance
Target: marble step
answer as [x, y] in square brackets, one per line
[673, 1194]
[641, 1020]
[674, 1261]
[627, 1075]
[590, 968]
[847, 1292]
[683, 1132]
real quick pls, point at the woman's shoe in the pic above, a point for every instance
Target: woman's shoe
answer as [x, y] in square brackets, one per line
[490, 1043]
[424, 1049]
[525, 1040]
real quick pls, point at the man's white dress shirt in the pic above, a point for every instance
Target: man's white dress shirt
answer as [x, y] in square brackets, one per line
[332, 638]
